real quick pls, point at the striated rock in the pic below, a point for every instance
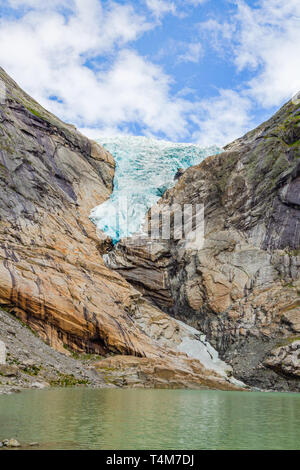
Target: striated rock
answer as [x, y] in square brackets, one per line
[175, 372]
[52, 275]
[285, 359]
[292, 319]
[241, 286]
[2, 353]
[34, 362]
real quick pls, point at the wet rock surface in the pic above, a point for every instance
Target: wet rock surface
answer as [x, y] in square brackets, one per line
[241, 287]
[11, 443]
[171, 373]
[32, 364]
[14, 444]
[52, 274]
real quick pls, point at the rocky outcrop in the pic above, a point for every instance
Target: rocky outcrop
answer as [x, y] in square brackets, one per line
[172, 372]
[32, 364]
[286, 358]
[242, 286]
[2, 353]
[52, 275]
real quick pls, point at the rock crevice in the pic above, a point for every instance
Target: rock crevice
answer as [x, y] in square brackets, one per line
[52, 275]
[240, 285]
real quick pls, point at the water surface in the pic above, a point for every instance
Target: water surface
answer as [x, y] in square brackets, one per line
[152, 419]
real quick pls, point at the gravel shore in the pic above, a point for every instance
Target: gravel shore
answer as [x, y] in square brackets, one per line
[32, 364]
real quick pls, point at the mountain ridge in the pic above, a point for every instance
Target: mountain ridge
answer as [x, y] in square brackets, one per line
[242, 288]
[52, 274]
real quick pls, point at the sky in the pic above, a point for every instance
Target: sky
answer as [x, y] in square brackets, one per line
[203, 71]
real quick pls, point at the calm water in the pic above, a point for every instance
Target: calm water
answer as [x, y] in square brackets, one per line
[152, 419]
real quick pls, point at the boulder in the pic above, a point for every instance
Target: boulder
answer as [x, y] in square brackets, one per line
[286, 358]
[9, 371]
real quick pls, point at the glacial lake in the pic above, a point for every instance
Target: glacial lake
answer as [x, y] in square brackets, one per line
[151, 419]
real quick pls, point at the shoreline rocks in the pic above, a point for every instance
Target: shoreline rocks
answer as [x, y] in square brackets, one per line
[10, 443]
[52, 275]
[241, 287]
[14, 444]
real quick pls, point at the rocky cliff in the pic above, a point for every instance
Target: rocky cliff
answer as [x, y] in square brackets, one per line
[52, 275]
[242, 286]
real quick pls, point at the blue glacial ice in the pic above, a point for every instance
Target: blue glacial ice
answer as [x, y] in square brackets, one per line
[145, 169]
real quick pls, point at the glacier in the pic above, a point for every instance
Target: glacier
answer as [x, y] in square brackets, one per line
[145, 169]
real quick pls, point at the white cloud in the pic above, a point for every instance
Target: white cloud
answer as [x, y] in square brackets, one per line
[265, 40]
[193, 53]
[135, 90]
[218, 32]
[35, 3]
[159, 8]
[182, 51]
[46, 53]
[195, 3]
[222, 119]
[268, 41]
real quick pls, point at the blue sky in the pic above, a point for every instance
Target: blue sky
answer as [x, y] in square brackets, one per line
[202, 71]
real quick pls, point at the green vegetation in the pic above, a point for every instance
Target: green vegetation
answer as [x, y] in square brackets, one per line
[32, 370]
[228, 164]
[268, 161]
[267, 170]
[3, 169]
[83, 356]
[13, 360]
[108, 375]
[290, 285]
[295, 144]
[288, 341]
[294, 252]
[66, 380]
[34, 112]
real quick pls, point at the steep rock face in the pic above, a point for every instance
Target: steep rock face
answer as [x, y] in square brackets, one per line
[52, 275]
[242, 286]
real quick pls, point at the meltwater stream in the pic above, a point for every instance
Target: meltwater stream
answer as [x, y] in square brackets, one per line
[145, 168]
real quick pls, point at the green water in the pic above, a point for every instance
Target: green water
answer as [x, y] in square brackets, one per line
[152, 419]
